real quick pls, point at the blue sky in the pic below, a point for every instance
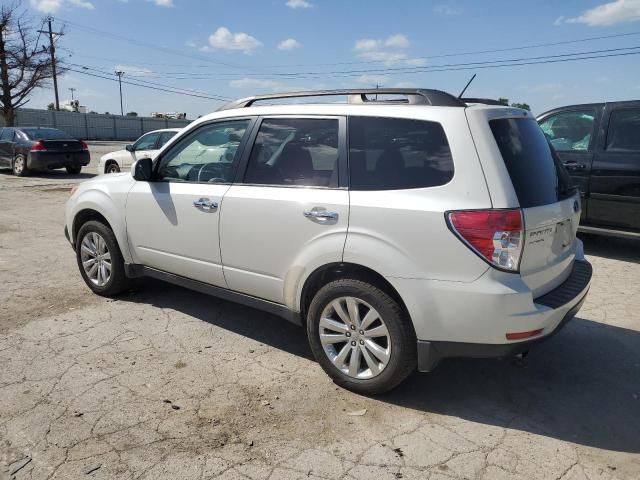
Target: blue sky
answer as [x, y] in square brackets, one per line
[236, 49]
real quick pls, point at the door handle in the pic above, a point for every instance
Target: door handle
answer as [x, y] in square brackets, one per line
[206, 204]
[321, 215]
[574, 166]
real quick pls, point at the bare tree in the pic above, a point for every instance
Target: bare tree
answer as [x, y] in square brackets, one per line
[24, 66]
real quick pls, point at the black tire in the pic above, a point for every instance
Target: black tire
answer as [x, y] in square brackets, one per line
[75, 170]
[118, 281]
[19, 166]
[403, 357]
[112, 167]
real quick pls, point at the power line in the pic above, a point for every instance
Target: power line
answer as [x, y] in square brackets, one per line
[364, 62]
[223, 99]
[95, 31]
[189, 90]
[402, 70]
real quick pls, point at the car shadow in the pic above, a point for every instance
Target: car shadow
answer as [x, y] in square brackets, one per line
[581, 386]
[52, 174]
[615, 248]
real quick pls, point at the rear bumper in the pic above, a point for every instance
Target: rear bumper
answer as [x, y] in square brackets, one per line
[50, 160]
[557, 308]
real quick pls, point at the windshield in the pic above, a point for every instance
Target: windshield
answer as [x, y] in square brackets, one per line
[45, 134]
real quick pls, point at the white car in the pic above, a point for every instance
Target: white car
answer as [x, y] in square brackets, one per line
[148, 145]
[397, 232]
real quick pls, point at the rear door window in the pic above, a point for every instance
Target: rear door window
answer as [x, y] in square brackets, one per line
[295, 152]
[624, 130]
[397, 153]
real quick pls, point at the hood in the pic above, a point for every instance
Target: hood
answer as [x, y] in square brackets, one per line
[109, 155]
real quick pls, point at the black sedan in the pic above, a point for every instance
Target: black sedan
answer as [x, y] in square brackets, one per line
[33, 148]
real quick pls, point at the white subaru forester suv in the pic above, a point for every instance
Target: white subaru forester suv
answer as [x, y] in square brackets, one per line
[398, 231]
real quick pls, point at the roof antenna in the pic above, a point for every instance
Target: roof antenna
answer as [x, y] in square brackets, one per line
[466, 86]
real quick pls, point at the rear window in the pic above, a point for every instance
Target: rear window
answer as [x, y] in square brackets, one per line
[44, 134]
[538, 178]
[396, 153]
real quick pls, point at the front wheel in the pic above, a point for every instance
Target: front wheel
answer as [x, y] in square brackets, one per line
[75, 170]
[20, 166]
[361, 337]
[112, 168]
[99, 259]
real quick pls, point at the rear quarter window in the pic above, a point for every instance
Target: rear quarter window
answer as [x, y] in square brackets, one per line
[396, 153]
[529, 160]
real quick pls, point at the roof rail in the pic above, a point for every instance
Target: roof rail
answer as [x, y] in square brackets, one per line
[415, 96]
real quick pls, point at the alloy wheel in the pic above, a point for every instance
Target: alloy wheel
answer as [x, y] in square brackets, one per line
[96, 259]
[354, 337]
[18, 165]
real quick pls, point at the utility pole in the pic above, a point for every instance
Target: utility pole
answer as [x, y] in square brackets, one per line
[52, 51]
[72, 90]
[120, 73]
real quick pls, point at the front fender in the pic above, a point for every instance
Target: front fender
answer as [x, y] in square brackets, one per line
[111, 207]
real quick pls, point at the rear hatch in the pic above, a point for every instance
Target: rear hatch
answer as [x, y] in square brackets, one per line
[549, 202]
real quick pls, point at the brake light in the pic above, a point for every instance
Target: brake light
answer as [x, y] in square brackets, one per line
[83, 146]
[38, 146]
[495, 235]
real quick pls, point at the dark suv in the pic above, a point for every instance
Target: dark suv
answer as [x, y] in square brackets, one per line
[599, 144]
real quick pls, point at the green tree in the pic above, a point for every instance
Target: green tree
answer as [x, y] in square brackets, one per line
[524, 106]
[132, 114]
[51, 106]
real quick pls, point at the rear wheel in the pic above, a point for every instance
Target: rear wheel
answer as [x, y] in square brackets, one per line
[112, 167]
[361, 337]
[20, 166]
[100, 260]
[75, 170]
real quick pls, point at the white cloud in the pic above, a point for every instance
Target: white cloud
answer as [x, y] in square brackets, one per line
[620, 11]
[387, 50]
[81, 4]
[289, 44]
[191, 44]
[255, 83]
[371, 80]
[446, 10]
[50, 6]
[298, 4]
[397, 41]
[132, 71]
[405, 85]
[163, 3]
[394, 41]
[224, 39]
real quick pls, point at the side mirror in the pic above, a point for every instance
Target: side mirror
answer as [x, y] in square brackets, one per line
[142, 169]
[129, 148]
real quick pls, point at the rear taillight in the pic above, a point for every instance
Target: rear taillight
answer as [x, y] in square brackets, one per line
[495, 235]
[83, 146]
[38, 146]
